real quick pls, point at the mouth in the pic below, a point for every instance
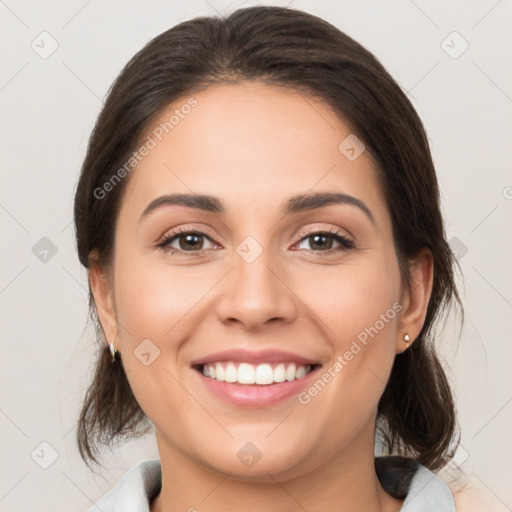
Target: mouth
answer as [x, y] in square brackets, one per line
[255, 384]
[264, 374]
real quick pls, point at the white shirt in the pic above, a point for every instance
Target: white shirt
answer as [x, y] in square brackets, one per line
[135, 491]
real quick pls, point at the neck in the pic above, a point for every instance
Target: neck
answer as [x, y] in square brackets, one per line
[346, 481]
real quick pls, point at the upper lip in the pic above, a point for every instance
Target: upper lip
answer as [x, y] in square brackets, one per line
[256, 357]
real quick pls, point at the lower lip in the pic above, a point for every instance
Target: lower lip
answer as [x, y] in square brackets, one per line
[255, 395]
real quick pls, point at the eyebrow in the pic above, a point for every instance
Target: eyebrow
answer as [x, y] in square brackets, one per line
[295, 204]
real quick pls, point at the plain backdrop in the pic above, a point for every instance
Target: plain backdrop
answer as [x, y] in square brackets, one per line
[58, 60]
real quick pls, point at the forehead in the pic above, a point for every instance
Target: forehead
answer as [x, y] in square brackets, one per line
[252, 145]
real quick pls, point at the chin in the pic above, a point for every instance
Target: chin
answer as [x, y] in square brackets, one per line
[265, 462]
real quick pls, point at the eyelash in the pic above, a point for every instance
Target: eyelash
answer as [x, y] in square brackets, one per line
[333, 233]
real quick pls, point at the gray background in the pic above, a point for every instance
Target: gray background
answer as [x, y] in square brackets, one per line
[49, 103]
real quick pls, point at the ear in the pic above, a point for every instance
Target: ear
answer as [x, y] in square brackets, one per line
[102, 291]
[415, 298]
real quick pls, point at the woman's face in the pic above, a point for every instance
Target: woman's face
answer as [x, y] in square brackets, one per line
[261, 283]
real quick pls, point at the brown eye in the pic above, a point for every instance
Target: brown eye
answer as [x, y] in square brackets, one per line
[190, 241]
[187, 242]
[323, 241]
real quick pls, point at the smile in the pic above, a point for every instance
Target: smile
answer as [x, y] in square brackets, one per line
[260, 374]
[262, 378]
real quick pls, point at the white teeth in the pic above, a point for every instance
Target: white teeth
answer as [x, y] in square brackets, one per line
[301, 372]
[219, 372]
[279, 373]
[290, 372]
[246, 374]
[231, 373]
[262, 374]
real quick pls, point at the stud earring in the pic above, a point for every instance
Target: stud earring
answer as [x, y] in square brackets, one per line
[407, 340]
[113, 350]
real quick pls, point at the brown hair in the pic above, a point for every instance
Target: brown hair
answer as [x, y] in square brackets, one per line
[293, 49]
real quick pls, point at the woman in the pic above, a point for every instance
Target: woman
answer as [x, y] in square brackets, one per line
[259, 215]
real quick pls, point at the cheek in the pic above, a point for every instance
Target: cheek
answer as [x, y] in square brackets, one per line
[156, 302]
[153, 299]
[351, 298]
[152, 302]
[359, 310]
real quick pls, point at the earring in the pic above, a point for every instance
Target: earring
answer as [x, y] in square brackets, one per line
[113, 350]
[407, 340]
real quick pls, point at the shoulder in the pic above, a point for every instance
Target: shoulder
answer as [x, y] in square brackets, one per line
[135, 490]
[449, 490]
[422, 490]
[470, 496]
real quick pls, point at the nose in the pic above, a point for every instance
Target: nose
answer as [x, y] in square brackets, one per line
[256, 293]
